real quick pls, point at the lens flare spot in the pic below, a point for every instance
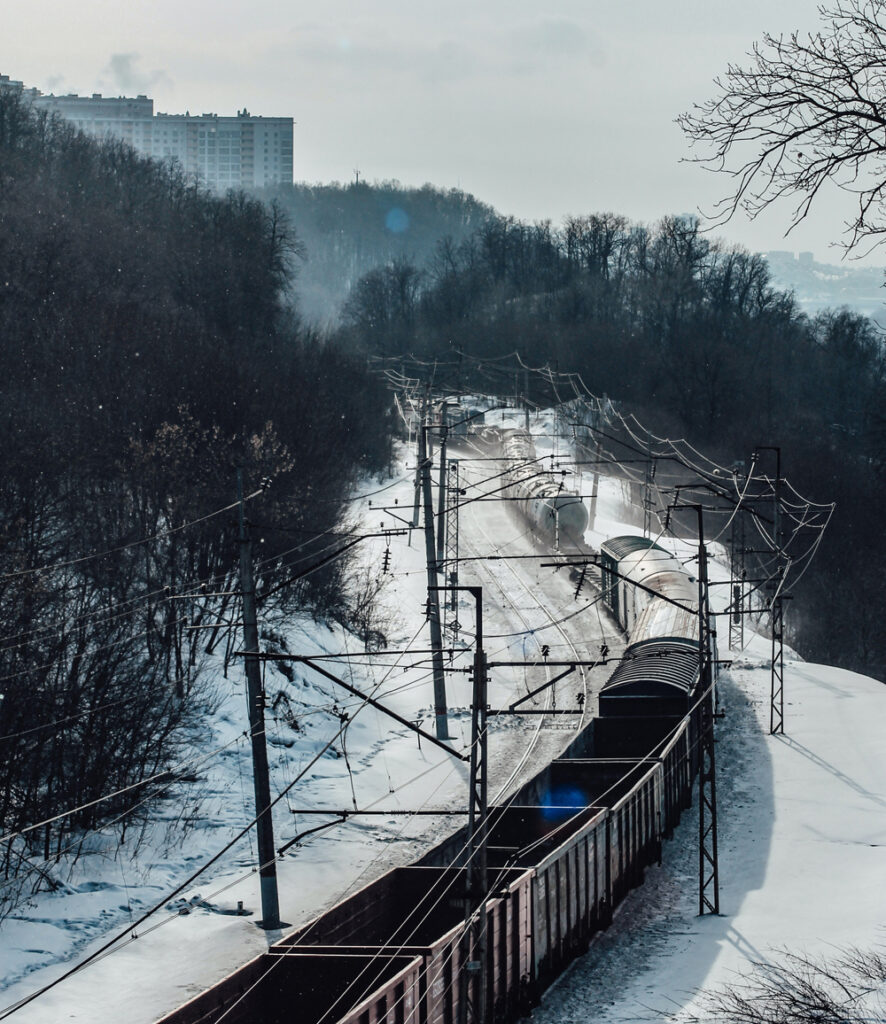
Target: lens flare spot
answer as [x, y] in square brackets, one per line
[562, 802]
[397, 220]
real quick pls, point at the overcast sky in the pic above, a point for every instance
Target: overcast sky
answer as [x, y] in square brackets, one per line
[541, 109]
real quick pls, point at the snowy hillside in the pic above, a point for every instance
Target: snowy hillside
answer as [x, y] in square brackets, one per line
[802, 823]
[381, 765]
[802, 827]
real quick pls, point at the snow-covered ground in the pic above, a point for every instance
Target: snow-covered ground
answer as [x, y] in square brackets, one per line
[802, 854]
[198, 938]
[802, 822]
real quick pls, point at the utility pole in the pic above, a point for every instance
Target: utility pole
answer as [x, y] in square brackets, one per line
[526, 395]
[256, 704]
[776, 713]
[708, 864]
[739, 576]
[420, 456]
[441, 486]
[474, 940]
[776, 689]
[440, 712]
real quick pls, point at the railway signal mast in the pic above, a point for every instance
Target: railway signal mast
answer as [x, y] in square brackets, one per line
[451, 625]
[739, 576]
[474, 940]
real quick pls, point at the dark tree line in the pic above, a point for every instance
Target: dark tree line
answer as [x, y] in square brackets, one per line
[693, 337]
[148, 351]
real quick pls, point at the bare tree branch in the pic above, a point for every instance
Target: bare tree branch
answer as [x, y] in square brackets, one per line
[801, 990]
[805, 112]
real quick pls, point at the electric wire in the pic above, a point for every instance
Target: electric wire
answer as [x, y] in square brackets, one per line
[583, 609]
[53, 566]
[113, 941]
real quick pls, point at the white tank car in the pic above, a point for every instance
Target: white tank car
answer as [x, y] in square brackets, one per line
[660, 619]
[626, 561]
[557, 514]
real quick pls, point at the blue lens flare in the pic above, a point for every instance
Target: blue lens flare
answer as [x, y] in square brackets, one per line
[397, 220]
[562, 802]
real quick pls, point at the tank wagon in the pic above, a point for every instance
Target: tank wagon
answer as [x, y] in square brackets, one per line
[562, 852]
[463, 421]
[656, 601]
[466, 421]
[557, 515]
[627, 561]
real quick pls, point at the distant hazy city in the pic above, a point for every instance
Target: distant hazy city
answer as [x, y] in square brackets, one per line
[818, 286]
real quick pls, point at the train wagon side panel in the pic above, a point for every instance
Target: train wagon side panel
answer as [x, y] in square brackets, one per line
[336, 988]
[563, 882]
[509, 947]
[601, 878]
[541, 927]
[524, 930]
[566, 897]
[616, 826]
[396, 1003]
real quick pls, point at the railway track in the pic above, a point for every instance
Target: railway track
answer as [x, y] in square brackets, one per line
[559, 878]
[492, 573]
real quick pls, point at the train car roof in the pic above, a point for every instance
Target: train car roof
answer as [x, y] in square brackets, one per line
[643, 565]
[655, 666]
[673, 584]
[551, 492]
[618, 547]
[661, 620]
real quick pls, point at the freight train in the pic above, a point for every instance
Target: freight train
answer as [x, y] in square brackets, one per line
[556, 515]
[562, 851]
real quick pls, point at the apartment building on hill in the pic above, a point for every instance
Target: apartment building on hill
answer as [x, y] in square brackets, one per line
[245, 151]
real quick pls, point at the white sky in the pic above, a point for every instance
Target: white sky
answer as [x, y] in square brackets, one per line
[539, 109]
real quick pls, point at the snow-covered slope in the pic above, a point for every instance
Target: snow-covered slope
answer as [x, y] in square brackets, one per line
[198, 938]
[802, 817]
[802, 827]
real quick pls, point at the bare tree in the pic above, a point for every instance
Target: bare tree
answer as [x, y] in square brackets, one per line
[808, 110]
[798, 989]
